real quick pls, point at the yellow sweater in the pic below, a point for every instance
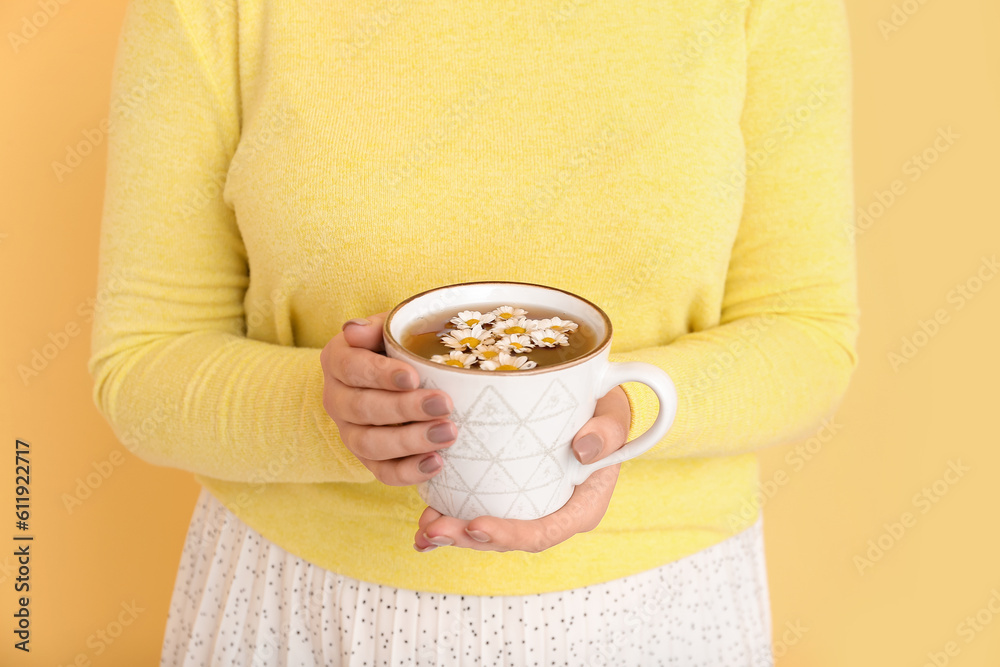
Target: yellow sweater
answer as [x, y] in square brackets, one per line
[277, 168]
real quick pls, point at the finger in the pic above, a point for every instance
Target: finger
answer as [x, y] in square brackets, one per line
[380, 406]
[582, 513]
[448, 531]
[366, 332]
[420, 542]
[384, 443]
[359, 367]
[402, 471]
[607, 430]
[429, 514]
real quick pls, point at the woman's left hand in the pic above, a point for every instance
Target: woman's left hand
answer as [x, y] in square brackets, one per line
[583, 511]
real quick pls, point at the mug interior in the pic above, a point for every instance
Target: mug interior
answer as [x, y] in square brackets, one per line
[419, 309]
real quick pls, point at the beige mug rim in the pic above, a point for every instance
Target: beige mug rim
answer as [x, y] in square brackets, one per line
[597, 351]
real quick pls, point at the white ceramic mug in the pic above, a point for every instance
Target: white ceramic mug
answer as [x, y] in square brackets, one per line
[512, 457]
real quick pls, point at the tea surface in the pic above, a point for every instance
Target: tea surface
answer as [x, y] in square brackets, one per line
[427, 342]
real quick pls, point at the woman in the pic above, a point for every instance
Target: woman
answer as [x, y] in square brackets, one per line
[293, 170]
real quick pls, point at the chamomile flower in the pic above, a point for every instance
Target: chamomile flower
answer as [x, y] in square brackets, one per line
[557, 324]
[507, 312]
[515, 344]
[467, 339]
[507, 362]
[486, 352]
[456, 358]
[549, 338]
[470, 318]
[514, 325]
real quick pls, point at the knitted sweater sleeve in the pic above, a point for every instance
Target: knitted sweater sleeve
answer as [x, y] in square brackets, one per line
[783, 353]
[174, 374]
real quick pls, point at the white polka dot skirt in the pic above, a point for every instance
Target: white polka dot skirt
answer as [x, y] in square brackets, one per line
[241, 600]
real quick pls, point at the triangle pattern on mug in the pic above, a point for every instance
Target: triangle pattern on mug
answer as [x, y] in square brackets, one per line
[471, 472]
[523, 506]
[489, 420]
[444, 498]
[496, 446]
[556, 400]
[472, 506]
[546, 472]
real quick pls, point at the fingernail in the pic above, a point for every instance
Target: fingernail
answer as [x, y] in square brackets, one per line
[436, 406]
[425, 549]
[478, 535]
[440, 433]
[440, 540]
[360, 322]
[588, 447]
[429, 465]
[403, 380]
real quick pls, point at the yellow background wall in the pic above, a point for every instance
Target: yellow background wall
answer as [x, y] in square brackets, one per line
[856, 490]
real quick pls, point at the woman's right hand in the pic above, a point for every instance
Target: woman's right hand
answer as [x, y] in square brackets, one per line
[384, 419]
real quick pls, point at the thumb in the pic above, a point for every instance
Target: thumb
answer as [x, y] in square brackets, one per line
[606, 431]
[366, 332]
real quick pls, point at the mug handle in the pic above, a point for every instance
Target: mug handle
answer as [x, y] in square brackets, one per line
[656, 379]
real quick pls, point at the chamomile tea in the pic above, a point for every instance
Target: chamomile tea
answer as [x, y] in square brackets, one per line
[502, 337]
